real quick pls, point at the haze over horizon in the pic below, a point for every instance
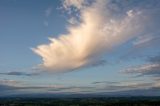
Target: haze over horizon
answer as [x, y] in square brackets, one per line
[108, 47]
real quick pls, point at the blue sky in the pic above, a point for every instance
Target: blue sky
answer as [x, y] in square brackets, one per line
[79, 46]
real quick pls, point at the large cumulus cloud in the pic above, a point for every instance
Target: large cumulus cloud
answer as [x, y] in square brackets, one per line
[101, 27]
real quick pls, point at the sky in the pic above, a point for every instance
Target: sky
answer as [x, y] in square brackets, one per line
[80, 47]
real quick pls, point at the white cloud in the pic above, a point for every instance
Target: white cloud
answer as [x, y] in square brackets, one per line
[130, 13]
[73, 21]
[48, 11]
[73, 3]
[98, 32]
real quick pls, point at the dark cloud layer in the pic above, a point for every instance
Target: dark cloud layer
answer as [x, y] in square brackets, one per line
[18, 73]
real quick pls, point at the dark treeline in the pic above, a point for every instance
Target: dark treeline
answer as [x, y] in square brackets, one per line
[114, 101]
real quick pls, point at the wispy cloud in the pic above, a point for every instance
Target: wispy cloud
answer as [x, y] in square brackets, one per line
[126, 86]
[46, 23]
[106, 86]
[10, 89]
[18, 73]
[146, 69]
[9, 82]
[48, 11]
[105, 82]
[147, 41]
[152, 68]
[86, 42]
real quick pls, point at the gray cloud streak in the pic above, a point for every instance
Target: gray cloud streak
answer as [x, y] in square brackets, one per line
[15, 73]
